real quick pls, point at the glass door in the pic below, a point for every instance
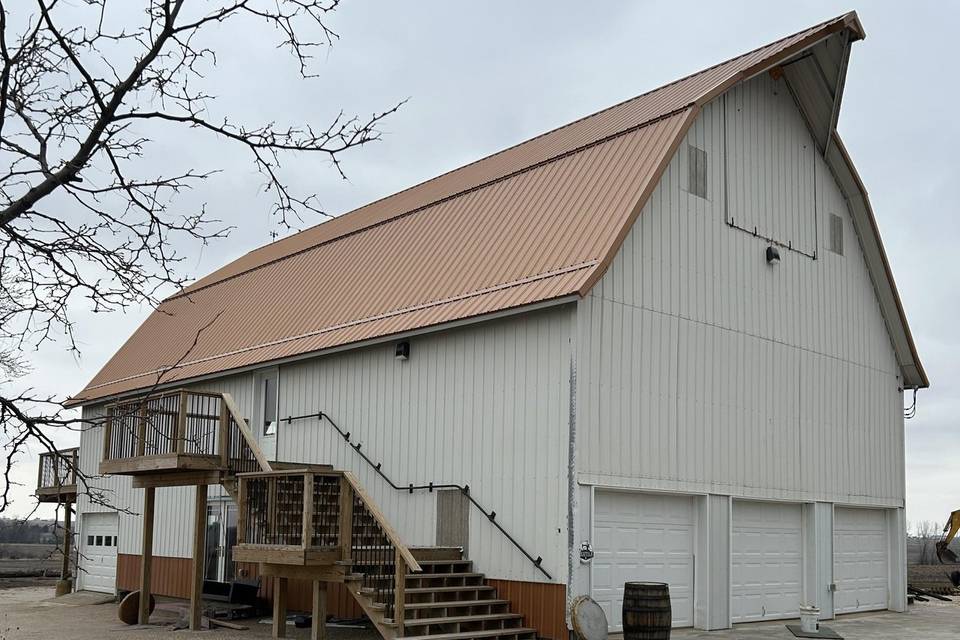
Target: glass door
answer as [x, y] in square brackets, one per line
[221, 536]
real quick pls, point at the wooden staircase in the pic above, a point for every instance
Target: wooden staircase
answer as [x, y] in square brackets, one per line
[321, 525]
[297, 521]
[446, 600]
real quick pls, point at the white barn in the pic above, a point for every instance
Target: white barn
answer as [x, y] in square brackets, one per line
[665, 336]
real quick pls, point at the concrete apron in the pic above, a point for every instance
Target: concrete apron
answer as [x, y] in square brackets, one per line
[930, 621]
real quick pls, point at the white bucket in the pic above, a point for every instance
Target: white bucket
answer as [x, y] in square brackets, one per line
[809, 619]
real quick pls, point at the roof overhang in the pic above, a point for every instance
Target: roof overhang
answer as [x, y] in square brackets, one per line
[878, 265]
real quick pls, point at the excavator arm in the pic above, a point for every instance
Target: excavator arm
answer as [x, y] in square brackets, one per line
[950, 530]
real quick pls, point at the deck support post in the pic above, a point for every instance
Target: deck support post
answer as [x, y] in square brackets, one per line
[318, 630]
[67, 539]
[279, 607]
[146, 555]
[199, 538]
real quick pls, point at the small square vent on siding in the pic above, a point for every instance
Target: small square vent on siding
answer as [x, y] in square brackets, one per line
[697, 171]
[836, 234]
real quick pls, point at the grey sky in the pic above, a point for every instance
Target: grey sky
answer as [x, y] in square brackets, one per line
[483, 76]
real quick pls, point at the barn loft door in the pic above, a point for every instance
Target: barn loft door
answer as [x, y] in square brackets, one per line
[453, 519]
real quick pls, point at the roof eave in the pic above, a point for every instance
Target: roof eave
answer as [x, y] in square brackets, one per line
[912, 371]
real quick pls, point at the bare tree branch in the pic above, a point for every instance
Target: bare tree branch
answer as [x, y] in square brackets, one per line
[79, 219]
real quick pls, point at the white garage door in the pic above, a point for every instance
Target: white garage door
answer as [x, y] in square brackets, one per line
[860, 560]
[766, 563]
[643, 537]
[98, 552]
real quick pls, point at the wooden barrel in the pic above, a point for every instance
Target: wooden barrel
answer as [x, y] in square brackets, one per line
[646, 611]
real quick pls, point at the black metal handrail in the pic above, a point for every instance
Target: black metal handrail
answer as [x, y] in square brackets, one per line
[410, 488]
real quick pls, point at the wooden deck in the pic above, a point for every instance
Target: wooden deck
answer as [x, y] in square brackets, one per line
[57, 476]
[160, 463]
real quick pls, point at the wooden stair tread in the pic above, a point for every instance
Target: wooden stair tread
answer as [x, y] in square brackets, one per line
[418, 576]
[489, 633]
[462, 587]
[483, 617]
[453, 603]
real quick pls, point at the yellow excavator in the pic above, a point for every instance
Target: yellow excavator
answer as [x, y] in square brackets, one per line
[944, 554]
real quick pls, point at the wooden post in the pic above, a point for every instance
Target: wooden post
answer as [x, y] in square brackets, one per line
[43, 459]
[318, 631]
[306, 537]
[199, 538]
[224, 434]
[67, 539]
[107, 434]
[241, 510]
[146, 555]
[346, 518]
[399, 593]
[279, 607]
[182, 422]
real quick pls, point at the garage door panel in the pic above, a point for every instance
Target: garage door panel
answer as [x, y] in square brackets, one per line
[643, 537]
[98, 552]
[860, 560]
[766, 561]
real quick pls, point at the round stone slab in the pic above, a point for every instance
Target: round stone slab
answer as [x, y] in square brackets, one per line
[589, 620]
[129, 609]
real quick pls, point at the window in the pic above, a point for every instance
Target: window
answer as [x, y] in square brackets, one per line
[269, 399]
[697, 171]
[108, 541]
[89, 541]
[836, 234]
[99, 542]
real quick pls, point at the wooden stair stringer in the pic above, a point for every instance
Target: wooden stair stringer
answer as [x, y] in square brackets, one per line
[386, 628]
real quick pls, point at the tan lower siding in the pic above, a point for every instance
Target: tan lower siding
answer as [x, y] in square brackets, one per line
[543, 606]
[171, 577]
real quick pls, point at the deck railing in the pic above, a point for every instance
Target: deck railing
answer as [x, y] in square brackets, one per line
[58, 471]
[181, 422]
[323, 517]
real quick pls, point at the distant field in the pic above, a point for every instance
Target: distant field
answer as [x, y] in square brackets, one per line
[29, 559]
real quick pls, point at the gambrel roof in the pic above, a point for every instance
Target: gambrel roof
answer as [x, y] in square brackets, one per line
[537, 222]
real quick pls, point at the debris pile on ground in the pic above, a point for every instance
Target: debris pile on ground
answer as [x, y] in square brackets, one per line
[934, 578]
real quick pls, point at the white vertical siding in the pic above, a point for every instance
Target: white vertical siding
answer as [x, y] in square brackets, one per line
[702, 368]
[485, 405]
[768, 144]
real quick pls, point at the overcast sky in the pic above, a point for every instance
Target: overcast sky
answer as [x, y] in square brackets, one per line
[481, 76]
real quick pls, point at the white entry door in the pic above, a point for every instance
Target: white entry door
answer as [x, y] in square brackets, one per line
[98, 552]
[766, 564]
[643, 537]
[860, 563]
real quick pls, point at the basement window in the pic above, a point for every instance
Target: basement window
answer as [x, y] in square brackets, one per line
[836, 234]
[697, 171]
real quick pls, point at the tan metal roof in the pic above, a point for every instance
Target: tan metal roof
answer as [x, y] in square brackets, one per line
[535, 222]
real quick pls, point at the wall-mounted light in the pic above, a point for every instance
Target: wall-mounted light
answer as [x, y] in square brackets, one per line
[402, 351]
[773, 256]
